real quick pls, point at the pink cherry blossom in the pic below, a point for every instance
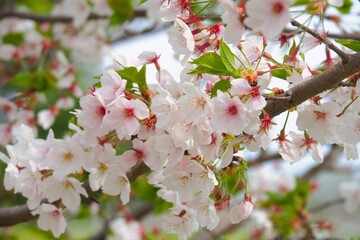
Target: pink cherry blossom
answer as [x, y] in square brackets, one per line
[112, 86]
[254, 99]
[230, 114]
[241, 211]
[269, 17]
[125, 115]
[51, 218]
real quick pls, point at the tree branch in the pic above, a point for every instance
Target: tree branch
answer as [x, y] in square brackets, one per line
[13, 215]
[328, 163]
[314, 86]
[17, 214]
[344, 57]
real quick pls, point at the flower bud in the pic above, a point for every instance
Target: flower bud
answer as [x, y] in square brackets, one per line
[241, 211]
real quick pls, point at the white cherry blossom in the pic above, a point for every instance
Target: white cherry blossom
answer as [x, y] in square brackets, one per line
[51, 218]
[313, 118]
[67, 189]
[231, 17]
[269, 18]
[182, 40]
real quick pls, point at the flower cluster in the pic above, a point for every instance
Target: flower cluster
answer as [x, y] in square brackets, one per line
[188, 134]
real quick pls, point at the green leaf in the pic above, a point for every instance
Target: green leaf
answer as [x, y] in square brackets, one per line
[227, 57]
[210, 63]
[301, 2]
[161, 206]
[34, 80]
[222, 85]
[15, 38]
[141, 80]
[141, 2]
[143, 189]
[349, 43]
[279, 73]
[129, 74]
[22, 79]
[40, 6]
[122, 11]
[346, 7]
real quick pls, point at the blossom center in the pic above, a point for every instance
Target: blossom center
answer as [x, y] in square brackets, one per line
[232, 110]
[129, 112]
[55, 214]
[200, 101]
[67, 184]
[321, 116]
[103, 167]
[277, 8]
[68, 156]
[255, 91]
[121, 181]
[100, 111]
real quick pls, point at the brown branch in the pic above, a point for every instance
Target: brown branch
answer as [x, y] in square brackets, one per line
[329, 160]
[265, 157]
[13, 215]
[327, 205]
[344, 57]
[314, 86]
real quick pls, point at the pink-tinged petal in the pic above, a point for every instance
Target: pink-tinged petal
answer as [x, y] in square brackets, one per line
[240, 86]
[316, 153]
[240, 212]
[140, 109]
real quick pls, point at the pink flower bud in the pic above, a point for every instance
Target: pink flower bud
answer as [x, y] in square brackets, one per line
[241, 211]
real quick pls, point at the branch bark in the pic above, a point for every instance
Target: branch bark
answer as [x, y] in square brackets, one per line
[314, 86]
[13, 215]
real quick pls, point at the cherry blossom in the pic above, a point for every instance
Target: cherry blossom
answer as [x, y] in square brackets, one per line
[66, 189]
[182, 40]
[232, 18]
[231, 114]
[124, 117]
[241, 211]
[269, 18]
[51, 218]
[314, 117]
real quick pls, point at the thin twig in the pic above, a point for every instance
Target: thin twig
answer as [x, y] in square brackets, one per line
[328, 163]
[327, 205]
[353, 36]
[344, 56]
